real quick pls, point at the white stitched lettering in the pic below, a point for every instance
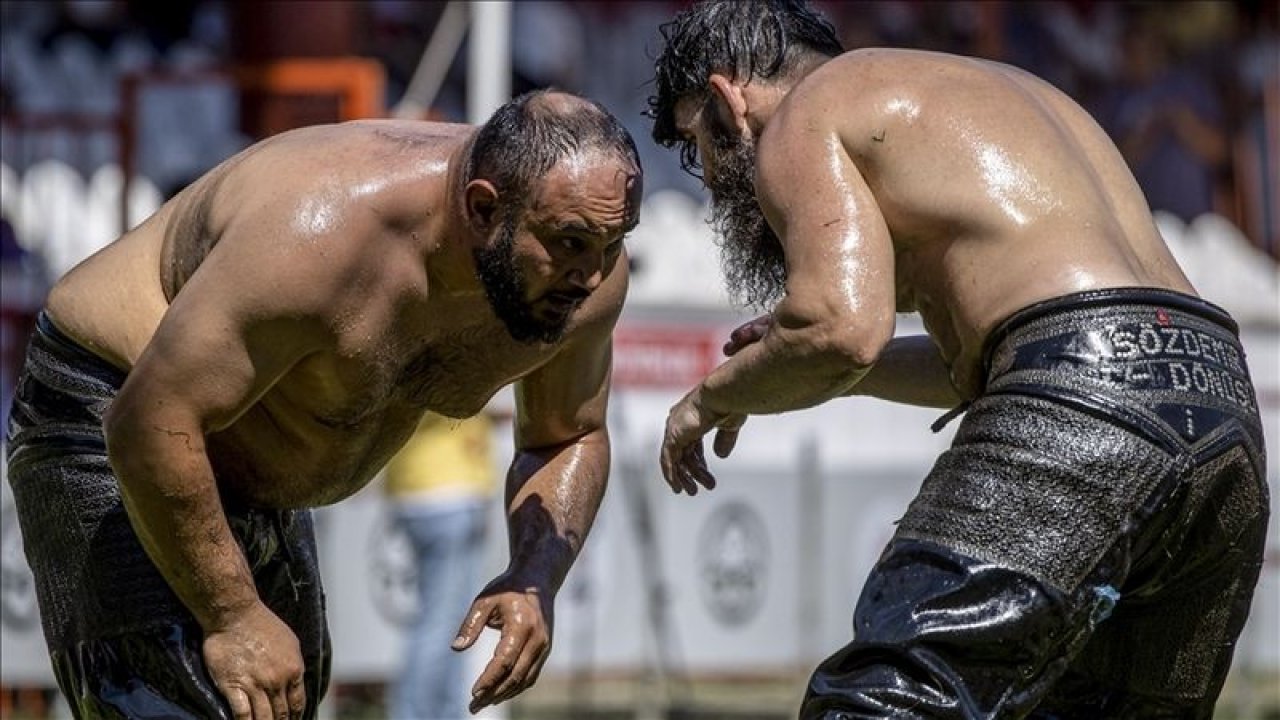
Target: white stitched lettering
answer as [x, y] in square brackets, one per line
[1199, 377]
[1123, 342]
[1137, 373]
[1233, 359]
[1211, 347]
[1193, 342]
[1149, 340]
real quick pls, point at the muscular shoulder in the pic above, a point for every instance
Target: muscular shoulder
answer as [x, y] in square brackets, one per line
[315, 214]
[865, 93]
[317, 180]
[847, 100]
[848, 88]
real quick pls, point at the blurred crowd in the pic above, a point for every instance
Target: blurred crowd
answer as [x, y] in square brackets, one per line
[1183, 89]
[1190, 92]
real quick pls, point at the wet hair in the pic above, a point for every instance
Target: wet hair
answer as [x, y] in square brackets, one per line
[740, 38]
[529, 135]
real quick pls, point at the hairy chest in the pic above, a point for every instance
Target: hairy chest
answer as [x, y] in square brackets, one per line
[452, 373]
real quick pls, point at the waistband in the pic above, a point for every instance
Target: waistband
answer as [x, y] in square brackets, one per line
[1153, 305]
[59, 344]
[1124, 346]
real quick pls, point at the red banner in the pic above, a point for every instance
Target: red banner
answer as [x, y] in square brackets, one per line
[668, 356]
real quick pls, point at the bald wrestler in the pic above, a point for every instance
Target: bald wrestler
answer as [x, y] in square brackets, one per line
[1089, 545]
[264, 343]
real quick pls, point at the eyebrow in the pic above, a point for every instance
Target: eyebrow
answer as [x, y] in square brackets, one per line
[599, 232]
[578, 226]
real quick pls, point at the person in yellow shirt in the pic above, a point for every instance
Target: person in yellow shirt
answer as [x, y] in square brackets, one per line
[439, 485]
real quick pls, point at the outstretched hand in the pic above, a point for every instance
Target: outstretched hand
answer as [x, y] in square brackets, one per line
[683, 460]
[684, 463]
[522, 613]
[256, 663]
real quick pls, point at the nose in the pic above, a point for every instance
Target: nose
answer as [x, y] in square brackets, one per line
[587, 271]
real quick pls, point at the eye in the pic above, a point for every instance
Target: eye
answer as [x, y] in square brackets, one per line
[572, 244]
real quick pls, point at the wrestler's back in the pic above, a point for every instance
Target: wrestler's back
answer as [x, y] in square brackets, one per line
[325, 427]
[998, 190]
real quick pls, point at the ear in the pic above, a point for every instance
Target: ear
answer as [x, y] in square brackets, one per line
[481, 199]
[730, 102]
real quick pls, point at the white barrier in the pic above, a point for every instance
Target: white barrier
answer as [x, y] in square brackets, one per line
[63, 217]
[759, 575]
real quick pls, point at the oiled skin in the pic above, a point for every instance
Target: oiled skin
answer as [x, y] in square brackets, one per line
[901, 180]
[287, 319]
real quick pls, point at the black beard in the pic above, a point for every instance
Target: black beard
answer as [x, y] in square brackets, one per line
[751, 256]
[505, 289]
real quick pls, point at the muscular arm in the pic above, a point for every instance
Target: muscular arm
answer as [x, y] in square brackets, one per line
[911, 371]
[249, 313]
[554, 488]
[200, 371]
[557, 479]
[838, 311]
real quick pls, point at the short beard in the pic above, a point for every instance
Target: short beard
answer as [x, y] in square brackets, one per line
[505, 288]
[751, 255]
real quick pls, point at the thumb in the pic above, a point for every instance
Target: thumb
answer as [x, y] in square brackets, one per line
[727, 435]
[472, 626]
[724, 442]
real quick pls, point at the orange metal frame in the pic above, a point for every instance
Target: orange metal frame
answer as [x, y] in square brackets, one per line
[358, 83]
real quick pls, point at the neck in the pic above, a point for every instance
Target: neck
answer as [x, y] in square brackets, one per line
[450, 264]
[762, 102]
[764, 98]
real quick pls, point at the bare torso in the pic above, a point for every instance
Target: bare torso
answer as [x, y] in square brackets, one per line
[360, 200]
[998, 191]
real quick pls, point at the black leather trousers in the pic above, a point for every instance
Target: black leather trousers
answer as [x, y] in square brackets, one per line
[1089, 545]
[121, 643]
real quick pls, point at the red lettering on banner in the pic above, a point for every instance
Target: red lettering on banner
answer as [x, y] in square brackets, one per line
[669, 356]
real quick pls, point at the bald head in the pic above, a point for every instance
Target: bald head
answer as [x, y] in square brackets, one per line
[558, 102]
[528, 136]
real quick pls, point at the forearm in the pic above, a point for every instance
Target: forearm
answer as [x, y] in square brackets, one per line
[170, 494]
[911, 371]
[552, 498]
[778, 374]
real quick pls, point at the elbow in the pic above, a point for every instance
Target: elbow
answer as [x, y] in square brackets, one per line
[853, 346]
[129, 432]
[121, 433]
[856, 352]
[115, 425]
[842, 353]
[858, 339]
[841, 342]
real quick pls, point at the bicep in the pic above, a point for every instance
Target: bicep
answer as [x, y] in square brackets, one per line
[226, 338]
[208, 366]
[838, 249]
